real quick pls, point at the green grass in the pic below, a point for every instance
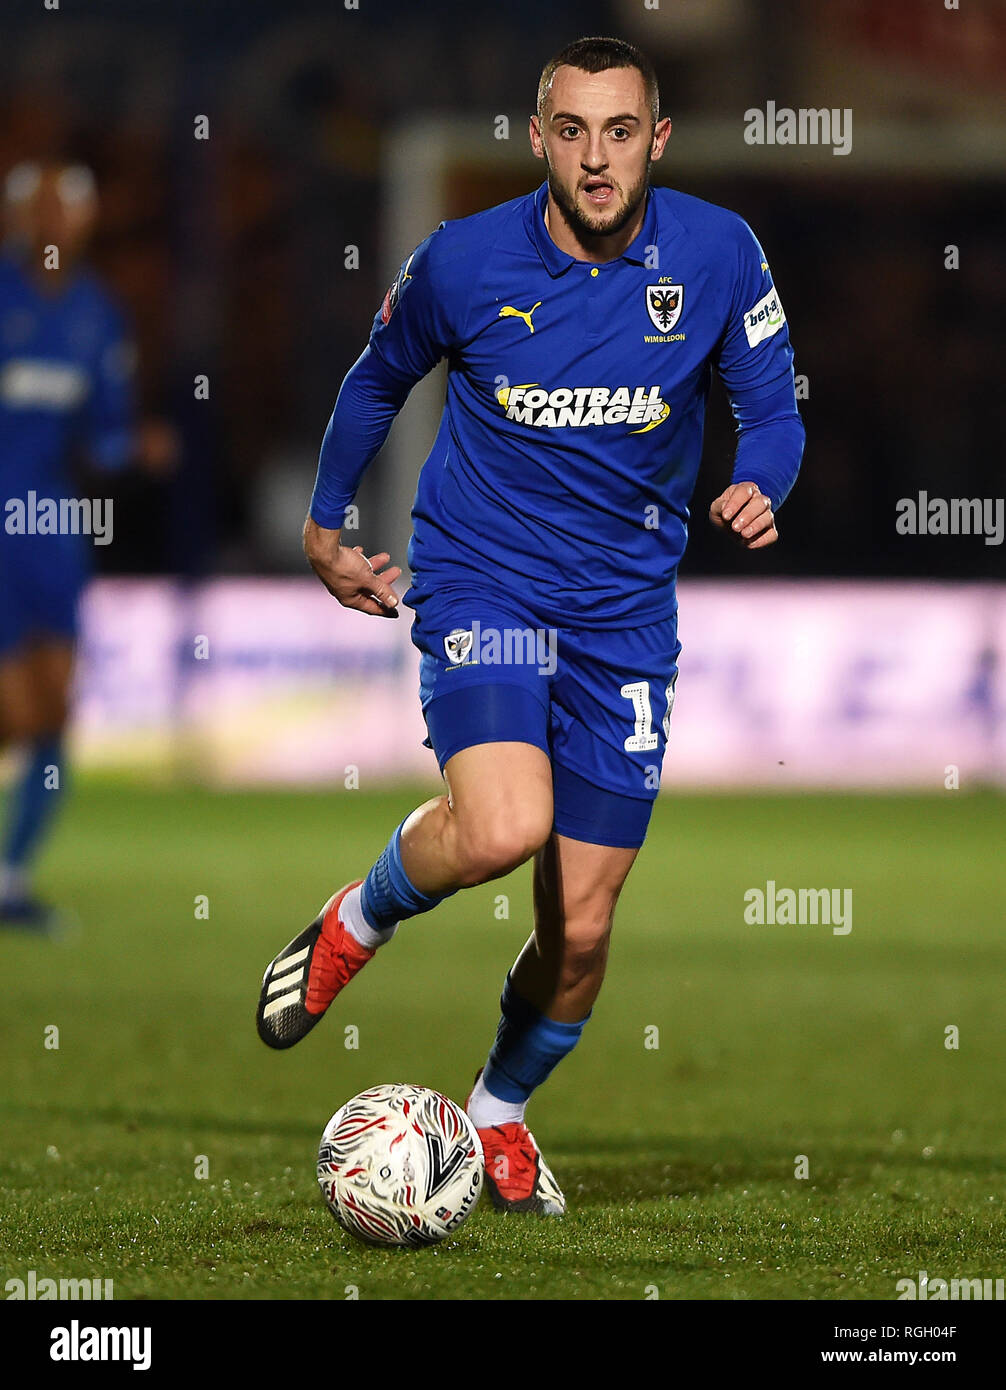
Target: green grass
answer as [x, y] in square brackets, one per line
[678, 1162]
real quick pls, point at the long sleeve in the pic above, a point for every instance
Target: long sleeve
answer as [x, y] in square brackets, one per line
[770, 443]
[368, 401]
[755, 362]
[110, 412]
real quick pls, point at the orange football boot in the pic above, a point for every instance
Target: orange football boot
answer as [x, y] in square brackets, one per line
[517, 1177]
[307, 974]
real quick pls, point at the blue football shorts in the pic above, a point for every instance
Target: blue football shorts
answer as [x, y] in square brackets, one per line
[597, 702]
[41, 579]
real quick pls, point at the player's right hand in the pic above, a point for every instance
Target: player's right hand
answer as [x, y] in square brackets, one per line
[750, 512]
[348, 575]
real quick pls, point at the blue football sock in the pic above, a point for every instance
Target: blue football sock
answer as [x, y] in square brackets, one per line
[33, 800]
[388, 896]
[528, 1047]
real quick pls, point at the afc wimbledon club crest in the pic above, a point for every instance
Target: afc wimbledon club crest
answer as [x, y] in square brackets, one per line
[663, 304]
[458, 645]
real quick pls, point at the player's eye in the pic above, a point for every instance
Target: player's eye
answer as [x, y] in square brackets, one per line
[569, 132]
[620, 132]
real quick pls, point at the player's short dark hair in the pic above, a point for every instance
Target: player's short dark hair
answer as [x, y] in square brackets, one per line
[598, 55]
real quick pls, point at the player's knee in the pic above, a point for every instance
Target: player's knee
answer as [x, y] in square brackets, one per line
[18, 724]
[52, 711]
[490, 846]
[585, 950]
[53, 722]
[38, 723]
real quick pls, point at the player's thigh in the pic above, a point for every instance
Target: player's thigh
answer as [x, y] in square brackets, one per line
[42, 579]
[500, 796]
[15, 625]
[50, 663]
[17, 711]
[485, 697]
[609, 724]
[35, 687]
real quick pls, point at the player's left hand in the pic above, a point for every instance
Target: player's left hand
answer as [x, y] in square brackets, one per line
[745, 511]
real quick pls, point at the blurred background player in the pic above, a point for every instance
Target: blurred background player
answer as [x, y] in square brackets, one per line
[66, 399]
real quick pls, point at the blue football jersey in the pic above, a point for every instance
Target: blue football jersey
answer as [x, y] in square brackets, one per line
[571, 435]
[66, 379]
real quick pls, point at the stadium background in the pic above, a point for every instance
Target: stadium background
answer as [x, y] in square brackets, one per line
[867, 659]
[338, 138]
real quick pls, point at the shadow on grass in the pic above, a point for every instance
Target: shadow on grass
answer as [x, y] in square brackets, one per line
[672, 1167]
[597, 1171]
[134, 1120]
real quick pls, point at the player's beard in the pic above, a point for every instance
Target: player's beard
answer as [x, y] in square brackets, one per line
[585, 226]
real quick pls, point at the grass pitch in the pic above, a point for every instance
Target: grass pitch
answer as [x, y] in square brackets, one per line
[678, 1160]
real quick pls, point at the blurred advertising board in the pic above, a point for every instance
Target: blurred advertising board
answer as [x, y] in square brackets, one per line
[782, 684]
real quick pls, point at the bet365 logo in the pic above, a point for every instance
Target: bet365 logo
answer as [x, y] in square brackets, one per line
[764, 319]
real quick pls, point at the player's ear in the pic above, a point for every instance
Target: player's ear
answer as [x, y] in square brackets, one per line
[534, 135]
[661, 131]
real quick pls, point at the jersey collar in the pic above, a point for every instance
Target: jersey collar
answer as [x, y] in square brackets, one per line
[558, 262]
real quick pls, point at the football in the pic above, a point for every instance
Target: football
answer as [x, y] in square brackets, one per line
[400, 1165]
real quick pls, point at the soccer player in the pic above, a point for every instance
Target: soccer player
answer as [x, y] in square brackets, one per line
[580, 324]
[66, 385]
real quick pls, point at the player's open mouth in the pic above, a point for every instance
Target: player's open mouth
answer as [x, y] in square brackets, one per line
[599, 193]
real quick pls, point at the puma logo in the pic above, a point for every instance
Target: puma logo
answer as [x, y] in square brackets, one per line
[509, 312]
